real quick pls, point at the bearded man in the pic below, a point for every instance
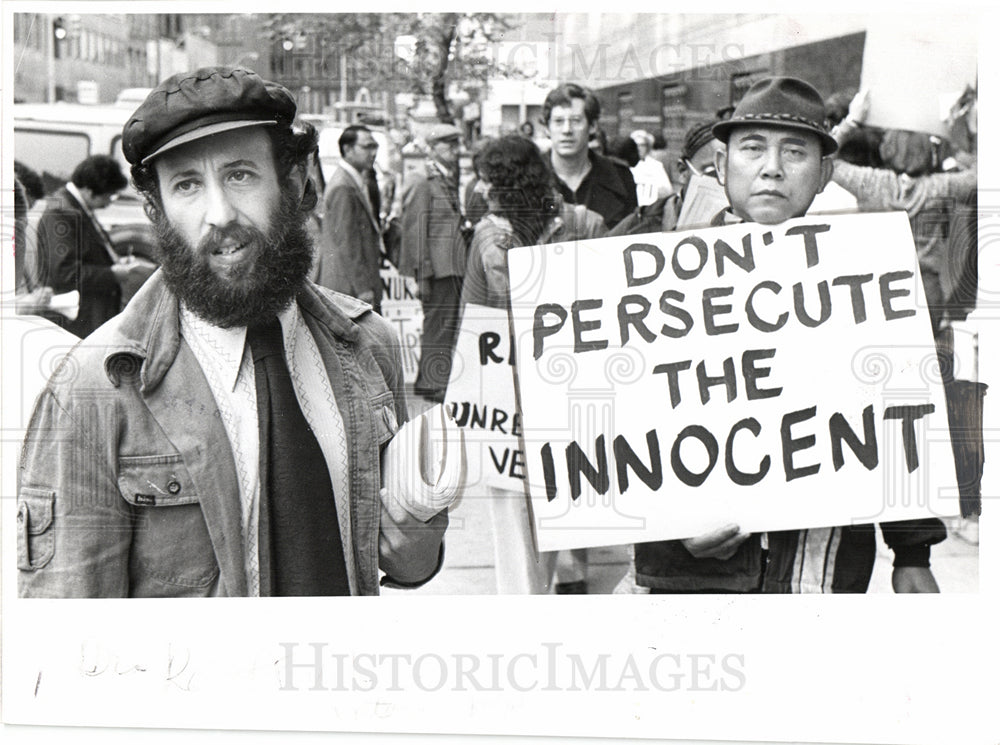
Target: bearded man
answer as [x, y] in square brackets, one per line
[222, 436]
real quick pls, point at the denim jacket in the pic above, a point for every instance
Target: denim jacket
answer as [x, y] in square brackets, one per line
[127, 485]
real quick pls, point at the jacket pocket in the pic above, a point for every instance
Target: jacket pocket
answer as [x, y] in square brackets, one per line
[155, 481]
[386, 423]
[171, 545]
[36, 541]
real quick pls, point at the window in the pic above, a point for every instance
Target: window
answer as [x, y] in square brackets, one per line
[626, 112]
[673, 106]
[53, 155]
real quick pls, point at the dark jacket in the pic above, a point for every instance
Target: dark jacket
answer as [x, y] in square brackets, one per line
[433, 244]
[837, 559]
[75, 252]
[351, 244]
[487, 281]
[660, 216]
[607, 189]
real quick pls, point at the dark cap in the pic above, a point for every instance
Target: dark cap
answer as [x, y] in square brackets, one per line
[696, 138]
[191, 105]
[780, 102]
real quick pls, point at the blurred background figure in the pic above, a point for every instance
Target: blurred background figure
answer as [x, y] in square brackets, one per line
[77, 251]
[434, 251]
[351, 241]
[651, 179]
[524, 209]
[697, 158]
[936, 185]
[623, 151]
[474, 199]
[31, 292]
[31, 183]
[30, 297]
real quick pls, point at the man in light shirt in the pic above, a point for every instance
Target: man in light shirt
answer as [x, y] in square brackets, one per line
[651, 179]
[150, 470]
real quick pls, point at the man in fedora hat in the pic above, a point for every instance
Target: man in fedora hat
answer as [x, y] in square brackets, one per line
[434, 250]
[223, 434]
[777, 157]
[777, 154]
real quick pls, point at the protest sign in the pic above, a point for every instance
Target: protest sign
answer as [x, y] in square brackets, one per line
[481, 399]
[703, 198]
[940, 62]
[402, 309]
[777, 377]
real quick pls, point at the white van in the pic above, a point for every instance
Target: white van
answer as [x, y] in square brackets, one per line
[52, 139]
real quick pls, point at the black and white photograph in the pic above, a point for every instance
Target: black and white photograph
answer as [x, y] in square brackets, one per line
[340, 347]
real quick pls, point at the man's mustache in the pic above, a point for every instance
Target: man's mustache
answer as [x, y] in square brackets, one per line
[231, 236]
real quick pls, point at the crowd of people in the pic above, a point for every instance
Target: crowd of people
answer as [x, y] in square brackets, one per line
[256, 254]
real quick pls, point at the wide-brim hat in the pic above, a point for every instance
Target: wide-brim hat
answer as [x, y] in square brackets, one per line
[780, 102]
[192, 105]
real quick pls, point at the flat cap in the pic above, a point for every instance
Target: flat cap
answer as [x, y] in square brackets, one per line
[441, 132]
[191, 105]
[780, 102]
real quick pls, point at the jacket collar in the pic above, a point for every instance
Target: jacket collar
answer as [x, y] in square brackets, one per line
[149, 328]
[603, 174]
[603, 171]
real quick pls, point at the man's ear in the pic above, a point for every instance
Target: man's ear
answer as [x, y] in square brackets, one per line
[826, 172]
[720, 165]
[299, 178]
[301, 184]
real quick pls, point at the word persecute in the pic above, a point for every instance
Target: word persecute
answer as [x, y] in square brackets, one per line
[633, 310]
[315, 667]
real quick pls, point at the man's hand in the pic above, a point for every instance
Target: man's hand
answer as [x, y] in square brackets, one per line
[367, 296]
[914, 579]
[857, 111]
[32, 302]
[408, 549]
[719, 544]
[128, 268]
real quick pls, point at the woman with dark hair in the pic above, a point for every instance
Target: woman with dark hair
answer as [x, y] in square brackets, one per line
[524, 210]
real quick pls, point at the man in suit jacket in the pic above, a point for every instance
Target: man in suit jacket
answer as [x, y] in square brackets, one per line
[74, 248]
[351, 245]
[434, 250]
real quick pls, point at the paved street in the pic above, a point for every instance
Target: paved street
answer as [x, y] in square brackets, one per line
[469, 562]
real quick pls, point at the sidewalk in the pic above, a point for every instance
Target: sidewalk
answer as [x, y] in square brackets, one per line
[469, 554]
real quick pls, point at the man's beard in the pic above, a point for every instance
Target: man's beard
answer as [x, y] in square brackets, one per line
[253, 294]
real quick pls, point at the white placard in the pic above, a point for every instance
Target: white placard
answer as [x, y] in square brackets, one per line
[777, 377]
[403, 310]
[940, 63]
[481, 398]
